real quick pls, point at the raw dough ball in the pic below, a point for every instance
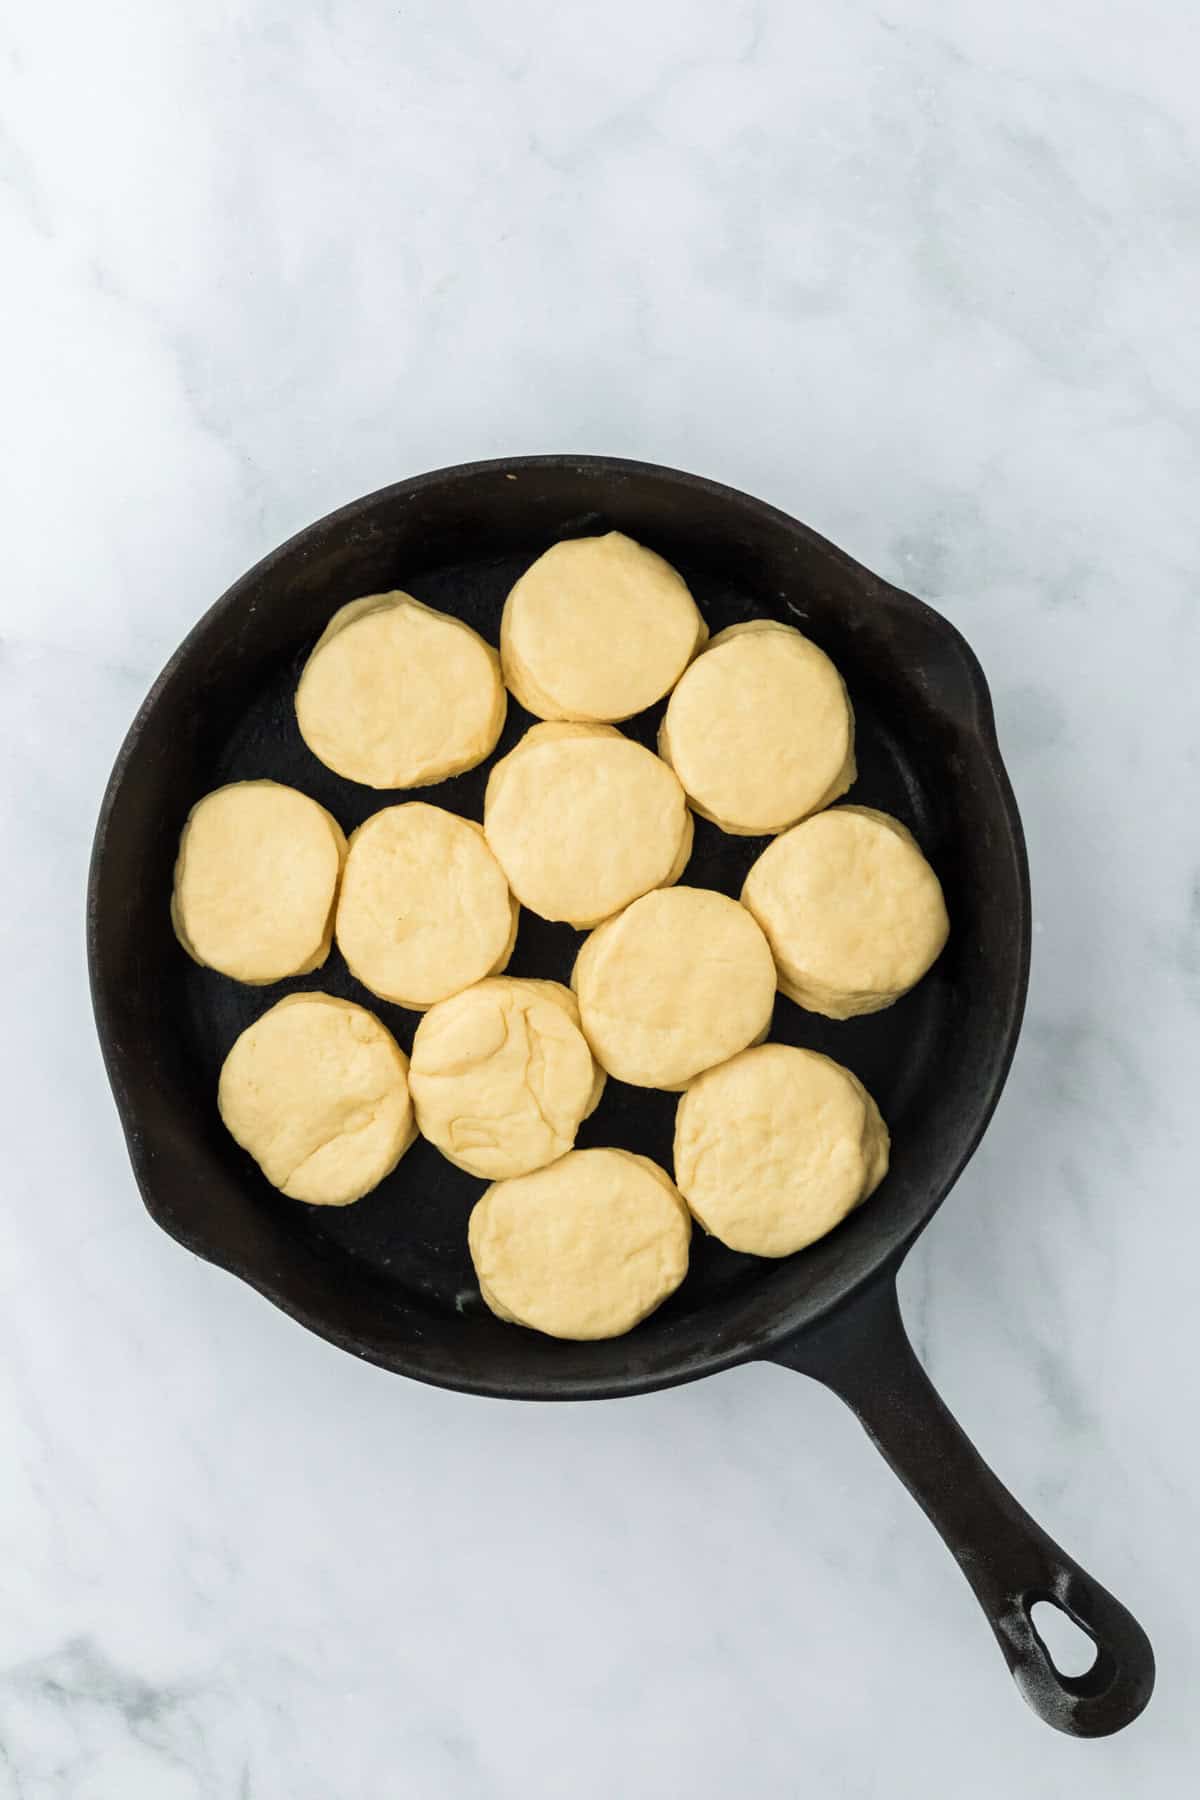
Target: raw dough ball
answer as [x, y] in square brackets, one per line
[853, 912]
[583, 820]
[425, 909]
[680, 980]
[502, 1077]
[317, 1091]
[255, 881]
[396, 695]
[760, 729]
[583, 1249]
[597, 628]
[775, 1147]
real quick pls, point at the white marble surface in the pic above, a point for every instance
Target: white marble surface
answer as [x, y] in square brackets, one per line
[927, 276]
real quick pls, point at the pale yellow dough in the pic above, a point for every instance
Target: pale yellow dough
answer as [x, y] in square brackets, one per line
[502, 1077]
[775, 1147]
[679, 981]
[424, 909]
[760, 729]
[255, 881]
[317, 1091]
[582, 820]
[585, 1248]
[398, 695]
[597, 628]
[854, 913]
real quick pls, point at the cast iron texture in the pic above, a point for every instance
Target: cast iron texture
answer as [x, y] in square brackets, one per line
[389, 1278]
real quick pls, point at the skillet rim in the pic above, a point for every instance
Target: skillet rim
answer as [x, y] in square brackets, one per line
[974, 715]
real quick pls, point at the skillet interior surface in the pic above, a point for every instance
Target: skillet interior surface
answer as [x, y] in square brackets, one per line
[390, 1277]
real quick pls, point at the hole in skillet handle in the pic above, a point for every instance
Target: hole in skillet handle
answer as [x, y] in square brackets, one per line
[1104, 1673]
[1068, 1643]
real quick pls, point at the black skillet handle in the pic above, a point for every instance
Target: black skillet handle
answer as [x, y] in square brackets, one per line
[862, 1352]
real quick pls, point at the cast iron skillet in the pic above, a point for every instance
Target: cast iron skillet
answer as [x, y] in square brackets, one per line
[390, 1278]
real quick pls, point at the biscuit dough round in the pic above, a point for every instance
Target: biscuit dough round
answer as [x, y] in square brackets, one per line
[317, 1091]
[398, 695]
[598, 628]
[585, 1248]
[502, 1077]
[853, 912]
[775, 1147]
[255, 881]
[760, 729]
[582, 820]
[424, 909]
[679, 981]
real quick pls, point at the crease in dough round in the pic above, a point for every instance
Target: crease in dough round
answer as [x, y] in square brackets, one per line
[680, 980]
[584, 1248]
[502, 1077]
[396, 694]
[854, 914]
[775, 1147]
[255, 882]
[582, 820]
[760, 729]
[317, 1091]
[598, 628]
[425, 909]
